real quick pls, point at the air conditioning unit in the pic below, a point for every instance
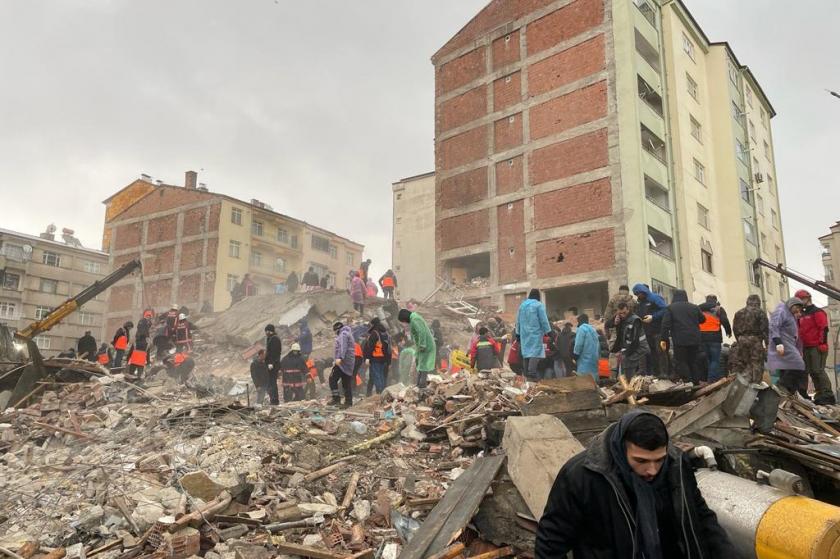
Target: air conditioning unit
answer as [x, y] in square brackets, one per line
[759, 178]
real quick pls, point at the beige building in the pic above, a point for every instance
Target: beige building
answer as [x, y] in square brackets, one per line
[413, 249]
[831, 264]
[37, 274]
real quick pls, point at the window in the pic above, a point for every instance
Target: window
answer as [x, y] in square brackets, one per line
[256, 258]
[696, 130]
[688, 46]
[233, 249]
[778, 255]
[293, 241]
[647, 11]
[43, 342]
[737, 113]
[767, 151]
[236, 216]
[42, 312]
[279, 265]
[753, 274]
[703, 216]
[759, 202]
[652, 144]
[13, 252]
[320, 243]
[749, 231]
[8, 310]
[11, 281]
[663, 289]
[231, 282]
[763, 117]
[741, 152]
[647, 51]
[283, 236]
[699, 172]
[746, 193]
[749, 97]
[706, 261]
[91, 267]
[348, 259]
[752, 130]
[774, 218]
[771, 185]
[657, 194]
[86, 318]
[649, 95]
[49, 286]
[51, 259]
[691, 85]
[733, 73]
[257, 228]
[333, 251]
[660, 243]
[768, 283]
[764, 242]
[829, 273]
[756, 167]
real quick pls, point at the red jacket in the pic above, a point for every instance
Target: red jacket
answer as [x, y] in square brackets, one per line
[813, 327]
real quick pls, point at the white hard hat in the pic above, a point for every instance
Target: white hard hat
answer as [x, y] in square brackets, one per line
[295, 347]
[182, 316]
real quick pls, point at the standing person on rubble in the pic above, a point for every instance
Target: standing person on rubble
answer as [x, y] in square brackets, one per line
[371, 290]
[783, 349]
[388, 283]
[86, 347]
[813, 330]
[183, 334]
[631, 342]
[484, 354]
[587, 348]
[122, 337]
[138, 356]
[144, 325]
[292, 282]
[631, 494]
[424, 343]
[565, 347]
[531, 325]
[103, 355]
[377, 351]
[498, 330]
[259, 376]
[171, 320]
[364, 269]
[406, 361]
[357, 293]
[651, 308]
[623, 296]
[752, 330]
[293, 369]
[681, 324]
[311, 280]
[305, 338]
[344, 361]
[711, 335]
[273, 354]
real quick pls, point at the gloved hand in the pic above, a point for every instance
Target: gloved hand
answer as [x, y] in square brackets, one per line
[647, 319]
[823, 348]
[780, 349]
[663, 345]
[270, 367]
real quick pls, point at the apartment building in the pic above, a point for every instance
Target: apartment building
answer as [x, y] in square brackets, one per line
[196, 245]
[413, 249]
[831, 264]
[38, 273]
[588, 143]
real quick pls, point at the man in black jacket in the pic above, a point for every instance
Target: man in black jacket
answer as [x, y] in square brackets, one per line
[259, 376]
[294, 370]
[630, 495]
[631, 343]
[86, 347]
[273, 353]
[377, 351]
[681, 323]
[711, 335]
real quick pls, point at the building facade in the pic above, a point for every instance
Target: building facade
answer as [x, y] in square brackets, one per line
[413, 249]
[588, 143]
[38, 273]
[196, 245]
[831, 264]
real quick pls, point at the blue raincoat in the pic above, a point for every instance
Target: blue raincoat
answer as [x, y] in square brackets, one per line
[531, 325]
[653, 305]
[588, 350]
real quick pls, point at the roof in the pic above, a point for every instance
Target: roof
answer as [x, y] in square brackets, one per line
[415, 177]
[38, 239]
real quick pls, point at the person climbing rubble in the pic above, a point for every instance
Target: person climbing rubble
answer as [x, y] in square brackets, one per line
[531, 325]
[377, 351]
[138, 356]
[484, 354]
[179, 365]
[273, 354]
[344, 360]
[293, 369]
[358, 293]
[424, 344]
[183, 334]
[783, 349]
[305, 339]
[103, 355]
[122, 337]
[813, 330]
[86, 347]
[259, 376]
[388, 283]
[752, 330]
[631, 342]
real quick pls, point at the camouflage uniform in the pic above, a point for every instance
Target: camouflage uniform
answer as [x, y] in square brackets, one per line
[751, 329]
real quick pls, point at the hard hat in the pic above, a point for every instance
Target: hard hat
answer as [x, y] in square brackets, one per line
[296, 347]
[182, 316]
[174, 307]
[802, 294]
[147, 314]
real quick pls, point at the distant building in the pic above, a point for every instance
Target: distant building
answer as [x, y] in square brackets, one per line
[196, 245]
[413, 250]
[37, 274]
[831, 264]
[584, 144]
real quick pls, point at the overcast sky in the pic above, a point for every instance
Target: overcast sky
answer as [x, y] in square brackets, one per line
[316, 107]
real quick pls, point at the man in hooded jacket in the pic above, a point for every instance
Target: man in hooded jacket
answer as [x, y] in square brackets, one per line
[681, 324]
[651, 309]
[273, 354]
[752, 330]
[531, 326]
[631, 494]
[344, 361]
[784, 352]
[424, 344]
[813, 331]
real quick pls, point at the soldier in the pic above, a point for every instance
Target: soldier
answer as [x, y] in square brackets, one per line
[751, 328]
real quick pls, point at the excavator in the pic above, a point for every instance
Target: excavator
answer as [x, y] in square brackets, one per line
[34, 370]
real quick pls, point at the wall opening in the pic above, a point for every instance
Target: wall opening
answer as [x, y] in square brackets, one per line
[590, 298]
[469, 270]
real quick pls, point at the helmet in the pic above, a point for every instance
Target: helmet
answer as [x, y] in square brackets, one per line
[295, 347]
[174, 307]
[147, 314]
[182, 316]
[802, 294]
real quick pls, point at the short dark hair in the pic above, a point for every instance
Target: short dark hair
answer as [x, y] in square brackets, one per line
[622, 306]
[573, 310]
[647, 431]
[482, 331]
[623, 288]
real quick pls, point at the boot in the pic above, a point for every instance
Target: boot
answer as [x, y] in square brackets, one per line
[828, 400]
[336, 398]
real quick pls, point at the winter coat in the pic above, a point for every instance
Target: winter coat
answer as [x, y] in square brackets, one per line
[784, 330]
[631, 339]
[259, 373]
[424, 343]
[725, 326]
[612, 307]
[484, 354]
[305, 340]
[375, 337]
[372, 290]
[273, 352]
[344, 348]
[813, 326]
[357, 290]
[311, 279]
[87, 345]
[751, 321]
[144, 326]
[531, 325]
[587, 349]
[589, 512]
[653, 305]
[682, 321]
[292, 282]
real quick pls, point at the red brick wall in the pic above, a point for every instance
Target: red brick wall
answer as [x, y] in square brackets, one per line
[128, 236]
[574, 204]
[464, 148]
[507, 91]
[509, 175]
[511, 225]
[506, 50]
[159, 261]
[215, 210]
[189, 289]
[164, 198]
[507, 132]
[191, 255]
[159, 293]
[162, 229]
[563, 24]
[569, 111]
[194, 221]
[512, 302]
[564, 159]
[463, 189]
[461, 71]
[212, 251]
[463, 109]
[576, 254]
[567, 66]
[125, 258]
[464, 230]
[121, 298]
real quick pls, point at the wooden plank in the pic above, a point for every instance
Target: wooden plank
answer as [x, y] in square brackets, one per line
[307, 551]
[455, 510]
[703, 414]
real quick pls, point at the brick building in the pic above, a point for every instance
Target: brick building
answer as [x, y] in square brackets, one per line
[195, 245]
[562, 160]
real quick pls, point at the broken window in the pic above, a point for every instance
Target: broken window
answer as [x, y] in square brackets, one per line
[236, 216]
[660, 243]
[647, 51]
[650, 96]
[657, 194]
[662, 288]
[51, 259]
[469, 269]
[652, 144]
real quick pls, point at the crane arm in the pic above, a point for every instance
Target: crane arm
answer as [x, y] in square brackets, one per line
[826, 289]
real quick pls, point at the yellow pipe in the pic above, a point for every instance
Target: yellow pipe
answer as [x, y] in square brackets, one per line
[799, 528]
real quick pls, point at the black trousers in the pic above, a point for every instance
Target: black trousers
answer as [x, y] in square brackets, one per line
[687, 363]
[271, 388]
[346, 384]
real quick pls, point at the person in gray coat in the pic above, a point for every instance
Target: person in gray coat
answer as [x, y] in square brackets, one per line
[783, 348]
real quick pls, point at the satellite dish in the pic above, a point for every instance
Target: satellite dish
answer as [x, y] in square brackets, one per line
[27, 249]
[51, 228]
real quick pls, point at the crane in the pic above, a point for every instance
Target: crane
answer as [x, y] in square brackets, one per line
[826, 289]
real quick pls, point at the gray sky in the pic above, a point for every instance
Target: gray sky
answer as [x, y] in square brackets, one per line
[316, 107]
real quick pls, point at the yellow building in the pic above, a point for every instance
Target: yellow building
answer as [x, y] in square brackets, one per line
[413, 249]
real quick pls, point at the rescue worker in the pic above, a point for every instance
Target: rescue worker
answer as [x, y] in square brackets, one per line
[711, 336]
[630, 495]
[86, 347]
[259, 376]
[292, 282]
[161, 340]
[179, 365]
[121, 341]
[783, 348]
[138, 357]
[313, 372]
[358, 374]
[623, 296]
[498, 330]
[681, 324]
[183, 334]
[364, 268]
[651, 308]
[587, 349]
[631, 343]
[752, 330]
[344, 360]
[144, 325]
[293, 369]
[388, 283]
[424, 343]
[531, 325]
[305, 338]
[310, 280]
[371, 290]
[813, 331]
[358, 293]
[485, 353]
[377, 351]
[103, 355]
[171, 321]
[273, 354]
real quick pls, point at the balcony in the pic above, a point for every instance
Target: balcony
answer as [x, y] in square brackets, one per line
[644, 20]
[648, 52]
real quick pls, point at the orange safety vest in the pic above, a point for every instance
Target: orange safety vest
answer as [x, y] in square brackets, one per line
[388, 281]
[313, 371]
[712, 323]
[121, 343]
[103, 358]
[137, 358]
[377, 350]
[179, 358]
[359, 351]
